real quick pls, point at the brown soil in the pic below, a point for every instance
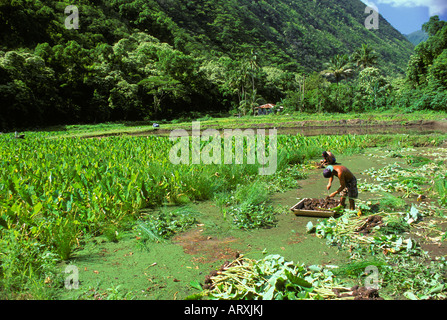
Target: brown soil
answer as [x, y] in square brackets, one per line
[429, 239]
[360, 293]
[317, 204]
[209, 248]
[369, 224]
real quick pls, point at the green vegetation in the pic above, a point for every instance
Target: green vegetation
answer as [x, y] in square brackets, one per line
[159, 226]
[393, 242]
[56, 192]
[136, 60]
[410, 181]
[441, 188]
[417, 37]
[248, 206]
[399, 257]
[273, 278]
[426, 70]
[385, 236]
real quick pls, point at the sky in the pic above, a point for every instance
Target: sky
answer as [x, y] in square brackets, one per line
[408, 16]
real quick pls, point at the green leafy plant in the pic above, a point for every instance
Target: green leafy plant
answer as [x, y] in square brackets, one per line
[273, 278]
[251, 216]
[65, 233]
[441, 189]
[254, 193]
[389, 203]
[417, 161]
[247, 206]
[165, 223]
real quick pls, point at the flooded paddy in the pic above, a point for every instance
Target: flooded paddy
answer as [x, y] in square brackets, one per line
[166, 269]
[315, 128]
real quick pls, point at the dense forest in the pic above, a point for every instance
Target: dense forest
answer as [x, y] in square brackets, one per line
[162, 59]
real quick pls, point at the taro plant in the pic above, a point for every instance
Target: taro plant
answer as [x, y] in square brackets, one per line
[65, 233]
[248, 206]
[250, 216]
[162, 224]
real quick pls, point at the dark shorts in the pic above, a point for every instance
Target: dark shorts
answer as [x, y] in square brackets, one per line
[350, 190]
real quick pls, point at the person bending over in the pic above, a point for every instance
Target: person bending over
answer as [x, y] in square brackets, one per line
[348, 184]
[328, 158]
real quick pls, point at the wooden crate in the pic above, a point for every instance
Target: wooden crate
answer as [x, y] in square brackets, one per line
[299, 211]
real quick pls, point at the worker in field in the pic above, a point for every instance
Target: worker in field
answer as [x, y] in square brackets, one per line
[348, 184]
[328, 159]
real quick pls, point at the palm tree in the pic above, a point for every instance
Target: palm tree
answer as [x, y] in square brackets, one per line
[338, 68]
[365, 57]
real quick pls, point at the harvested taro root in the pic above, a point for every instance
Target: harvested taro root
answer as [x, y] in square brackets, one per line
[360, 293]
[317, 204]
[370, 223]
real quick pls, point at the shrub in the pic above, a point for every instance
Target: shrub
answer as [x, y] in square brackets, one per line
[250, 216]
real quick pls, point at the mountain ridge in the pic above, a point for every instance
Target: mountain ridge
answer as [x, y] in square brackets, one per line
[304, 34]
[140, 59]
[417, 37]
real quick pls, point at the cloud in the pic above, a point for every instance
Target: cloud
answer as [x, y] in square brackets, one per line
[435, 7]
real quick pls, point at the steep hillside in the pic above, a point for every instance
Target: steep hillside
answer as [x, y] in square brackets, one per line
[307, 33]
[417, 37]
[137, 59]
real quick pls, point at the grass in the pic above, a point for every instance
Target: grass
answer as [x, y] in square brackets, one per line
[356, 269]
[391, 203]
[248, 206]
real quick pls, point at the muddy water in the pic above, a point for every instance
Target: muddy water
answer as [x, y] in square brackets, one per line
[341, 128]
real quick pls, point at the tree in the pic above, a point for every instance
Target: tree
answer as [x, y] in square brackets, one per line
[427, 52]
[125, 97]
[234, 79]
[427, 68]
[316, 92]
[433, 25]
[160, 87]
[372, 90]
[365, 57]
[252, 100]
[253, 67]
[437, 73]
[338, 68]
[28, 93]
